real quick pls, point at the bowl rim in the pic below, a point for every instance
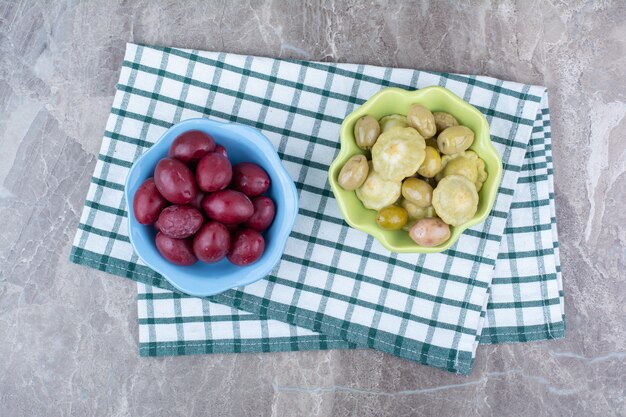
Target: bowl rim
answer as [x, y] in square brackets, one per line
[344, 153]
[254, 272]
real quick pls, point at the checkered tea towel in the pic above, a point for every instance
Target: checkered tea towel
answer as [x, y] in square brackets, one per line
[335, 287]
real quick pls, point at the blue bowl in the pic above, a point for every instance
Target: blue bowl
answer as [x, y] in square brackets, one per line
[243, 144]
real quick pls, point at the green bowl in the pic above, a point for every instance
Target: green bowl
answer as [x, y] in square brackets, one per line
[397, 101]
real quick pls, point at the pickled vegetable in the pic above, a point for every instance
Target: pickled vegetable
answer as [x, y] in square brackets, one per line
[180, 222]
[191, 146]
[228, 206]
[432, 163]
[422, 120]
[250, 179]
[366, 131]
[177, 251]
[462, 163]
[455, 139]
[392, 121]
[398, 153]
[391, 217]
[212, 242]
[376, 192]
[417, 191]
[263, 216]
[430, 232]
[467, 164]
[455, 200]
[353, 173]
[246, 248]
[148, 202]
[214, 172]
[444, 120]
[174, 180]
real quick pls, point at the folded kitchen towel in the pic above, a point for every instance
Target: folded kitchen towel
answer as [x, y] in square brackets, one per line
[335, 287]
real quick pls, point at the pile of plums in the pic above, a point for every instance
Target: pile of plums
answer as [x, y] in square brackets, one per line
[203, 207]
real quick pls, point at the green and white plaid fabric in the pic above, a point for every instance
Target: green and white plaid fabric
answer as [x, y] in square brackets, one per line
[335, 287]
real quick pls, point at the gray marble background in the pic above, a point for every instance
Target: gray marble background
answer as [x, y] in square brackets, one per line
[68, 334]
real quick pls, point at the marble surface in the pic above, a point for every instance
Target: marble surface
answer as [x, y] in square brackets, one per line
[69, 334]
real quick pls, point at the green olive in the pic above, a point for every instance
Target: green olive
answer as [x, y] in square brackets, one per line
[366, 131]
[430, 231]
[392, 121]
[353, 173]
[417, 191]
[432, 163]
[455, 139]
[392, 217]
[422, 120]
[444, 120]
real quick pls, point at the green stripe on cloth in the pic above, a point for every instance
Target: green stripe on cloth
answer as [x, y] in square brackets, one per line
[335, 287]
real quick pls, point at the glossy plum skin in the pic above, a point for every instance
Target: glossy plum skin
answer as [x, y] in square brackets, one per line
[228, 207]
[191, 146]
[246, 247]
[214, 172]
[263, 216]
[174, 180]
[180, 222]
[148, 202]
[212, 242]
[177, 251]
[250, 179]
